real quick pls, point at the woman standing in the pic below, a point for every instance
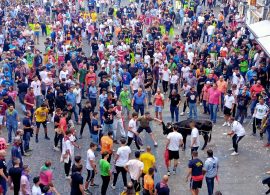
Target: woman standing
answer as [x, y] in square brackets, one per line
[105, 172]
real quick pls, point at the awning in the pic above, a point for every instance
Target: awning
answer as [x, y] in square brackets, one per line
[261, 32]
[264, 42]
[260, 29]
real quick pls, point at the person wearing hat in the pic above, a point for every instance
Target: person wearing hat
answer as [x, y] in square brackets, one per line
[229, 103]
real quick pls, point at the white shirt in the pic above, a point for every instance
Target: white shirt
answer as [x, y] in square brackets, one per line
[123, 153]
[185, 71]
[135, 82]
[210, 30]
[201, 19]
[63, 74]
[78, 93]
[174, 79]
[36, 87]
[157, 56]
[36, 190]
[166, 74]
[229, 101]
[132, 124]
[43, 75]
[238, 129]
[261, 110]
[135, 168]
[90, 157]
[195, 134]
[190, 56]
[175, 140]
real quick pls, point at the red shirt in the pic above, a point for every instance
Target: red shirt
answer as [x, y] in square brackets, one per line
[3, 108]
[255, 89]
[63, 124]
[29, 98]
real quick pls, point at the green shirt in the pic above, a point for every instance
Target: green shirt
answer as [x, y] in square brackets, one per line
[82, 73]
[124, 98]
[243, 66]
[104, 167]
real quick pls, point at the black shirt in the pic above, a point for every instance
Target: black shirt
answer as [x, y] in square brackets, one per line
[175, 99]
[56, 119]
[162, 189]
[104, 85]
[109, 117]
[3, 166]
[76, 181]
[197, 166]
[15, 173]
[86, 113]
[242, 101]
[192, 97]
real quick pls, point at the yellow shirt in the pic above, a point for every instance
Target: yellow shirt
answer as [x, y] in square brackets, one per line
[36, 27]
[148, 160]
[94, 16]
[41, 114]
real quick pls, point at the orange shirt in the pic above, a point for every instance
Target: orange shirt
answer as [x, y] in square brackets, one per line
[90, 77]
[222, 86]
[148, 183]
[106, 144]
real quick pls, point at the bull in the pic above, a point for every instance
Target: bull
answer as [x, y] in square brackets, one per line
[204, 127]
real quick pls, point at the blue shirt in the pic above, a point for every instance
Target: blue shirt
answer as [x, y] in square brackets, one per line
[139, 99]
[11, 117]
[211, 167]
[102, 99]
[250, 74]
[126, 77]
[71, 98]
[92, 92]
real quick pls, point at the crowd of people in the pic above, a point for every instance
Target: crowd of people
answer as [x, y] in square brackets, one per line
[110, 65]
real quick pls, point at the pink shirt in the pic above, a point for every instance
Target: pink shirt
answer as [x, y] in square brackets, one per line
[45, 177]
[214, 96]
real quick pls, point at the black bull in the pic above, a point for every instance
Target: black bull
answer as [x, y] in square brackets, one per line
[204, 127]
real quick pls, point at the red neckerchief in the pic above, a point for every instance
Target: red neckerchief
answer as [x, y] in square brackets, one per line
[66, 138]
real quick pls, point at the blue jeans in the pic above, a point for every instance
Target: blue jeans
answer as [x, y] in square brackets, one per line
[95, 138]
[205, 107]
[174, 111]
[10, 128]
[213, 112]
[3, 183]
[107, 128]
[75, 113]
[26, 139]
[193, 109]
[252, 106]
[138, 108]
[222, 101]
[210, 184]
[268, 134]
[101, 112]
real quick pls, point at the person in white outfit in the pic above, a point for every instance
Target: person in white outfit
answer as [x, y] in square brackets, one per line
[118, 119]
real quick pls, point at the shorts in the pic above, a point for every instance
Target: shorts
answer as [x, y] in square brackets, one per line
[44, 124]
[195, 184]
[173, 155]
[36, 33]
[147, 129]
[158, 108]
[1, 119]
[227, 111]
[90, 175]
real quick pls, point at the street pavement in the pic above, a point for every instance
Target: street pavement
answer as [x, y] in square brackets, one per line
[238, 175]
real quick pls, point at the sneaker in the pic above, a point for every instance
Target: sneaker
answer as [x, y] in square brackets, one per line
[168, 173]
[182, 114]
[187, 112]
[125, 188]
[234, 154]
[56, 148]
[29, 150]
[231, 149]
[80, 137]
[68, 177]
[26, 154]
[87, 191]
[174, 172]
[228, 124]
[266, 145]
[113, 187]
[142, 150]
[224, 124]
[200, 104]
[155, 144]
[94, 185]
[36, 139]
[253, 134]
[47, 138]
